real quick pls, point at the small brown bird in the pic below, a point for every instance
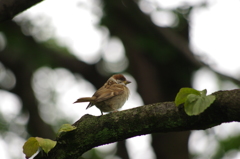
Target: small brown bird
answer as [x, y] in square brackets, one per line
[111, 96]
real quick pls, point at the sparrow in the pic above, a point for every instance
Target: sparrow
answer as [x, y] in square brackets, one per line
[111, 96]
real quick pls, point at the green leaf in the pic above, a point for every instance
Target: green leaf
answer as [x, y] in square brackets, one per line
[46, 144]
[203, 92]
[30, 147]
[183, 93]
[196, 104]
[66, 128]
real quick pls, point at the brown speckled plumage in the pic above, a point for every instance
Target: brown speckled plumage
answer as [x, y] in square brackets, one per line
[111, 96]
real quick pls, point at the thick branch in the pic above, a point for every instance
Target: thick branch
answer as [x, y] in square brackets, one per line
[10, 8]
[94, 131]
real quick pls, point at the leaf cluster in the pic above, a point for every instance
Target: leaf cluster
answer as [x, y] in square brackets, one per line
[195, 102]
[33, 144]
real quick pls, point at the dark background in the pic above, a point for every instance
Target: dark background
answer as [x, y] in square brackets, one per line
[159, 59]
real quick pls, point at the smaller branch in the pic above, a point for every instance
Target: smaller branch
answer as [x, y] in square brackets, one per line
[94, 131]
[10, 8]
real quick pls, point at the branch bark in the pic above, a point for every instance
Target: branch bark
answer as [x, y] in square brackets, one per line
[93, 131]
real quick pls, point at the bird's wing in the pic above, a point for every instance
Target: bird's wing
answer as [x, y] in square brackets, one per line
[106, 93]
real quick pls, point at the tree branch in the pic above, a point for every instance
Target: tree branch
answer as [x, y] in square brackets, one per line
[10, 8]
[94, 131]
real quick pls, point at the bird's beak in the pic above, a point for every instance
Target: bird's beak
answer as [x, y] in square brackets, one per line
[127, 82]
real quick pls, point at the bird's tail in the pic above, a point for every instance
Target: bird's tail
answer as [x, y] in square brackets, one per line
[85, 99]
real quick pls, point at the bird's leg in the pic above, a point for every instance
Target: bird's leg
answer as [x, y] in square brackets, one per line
[101, 112]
